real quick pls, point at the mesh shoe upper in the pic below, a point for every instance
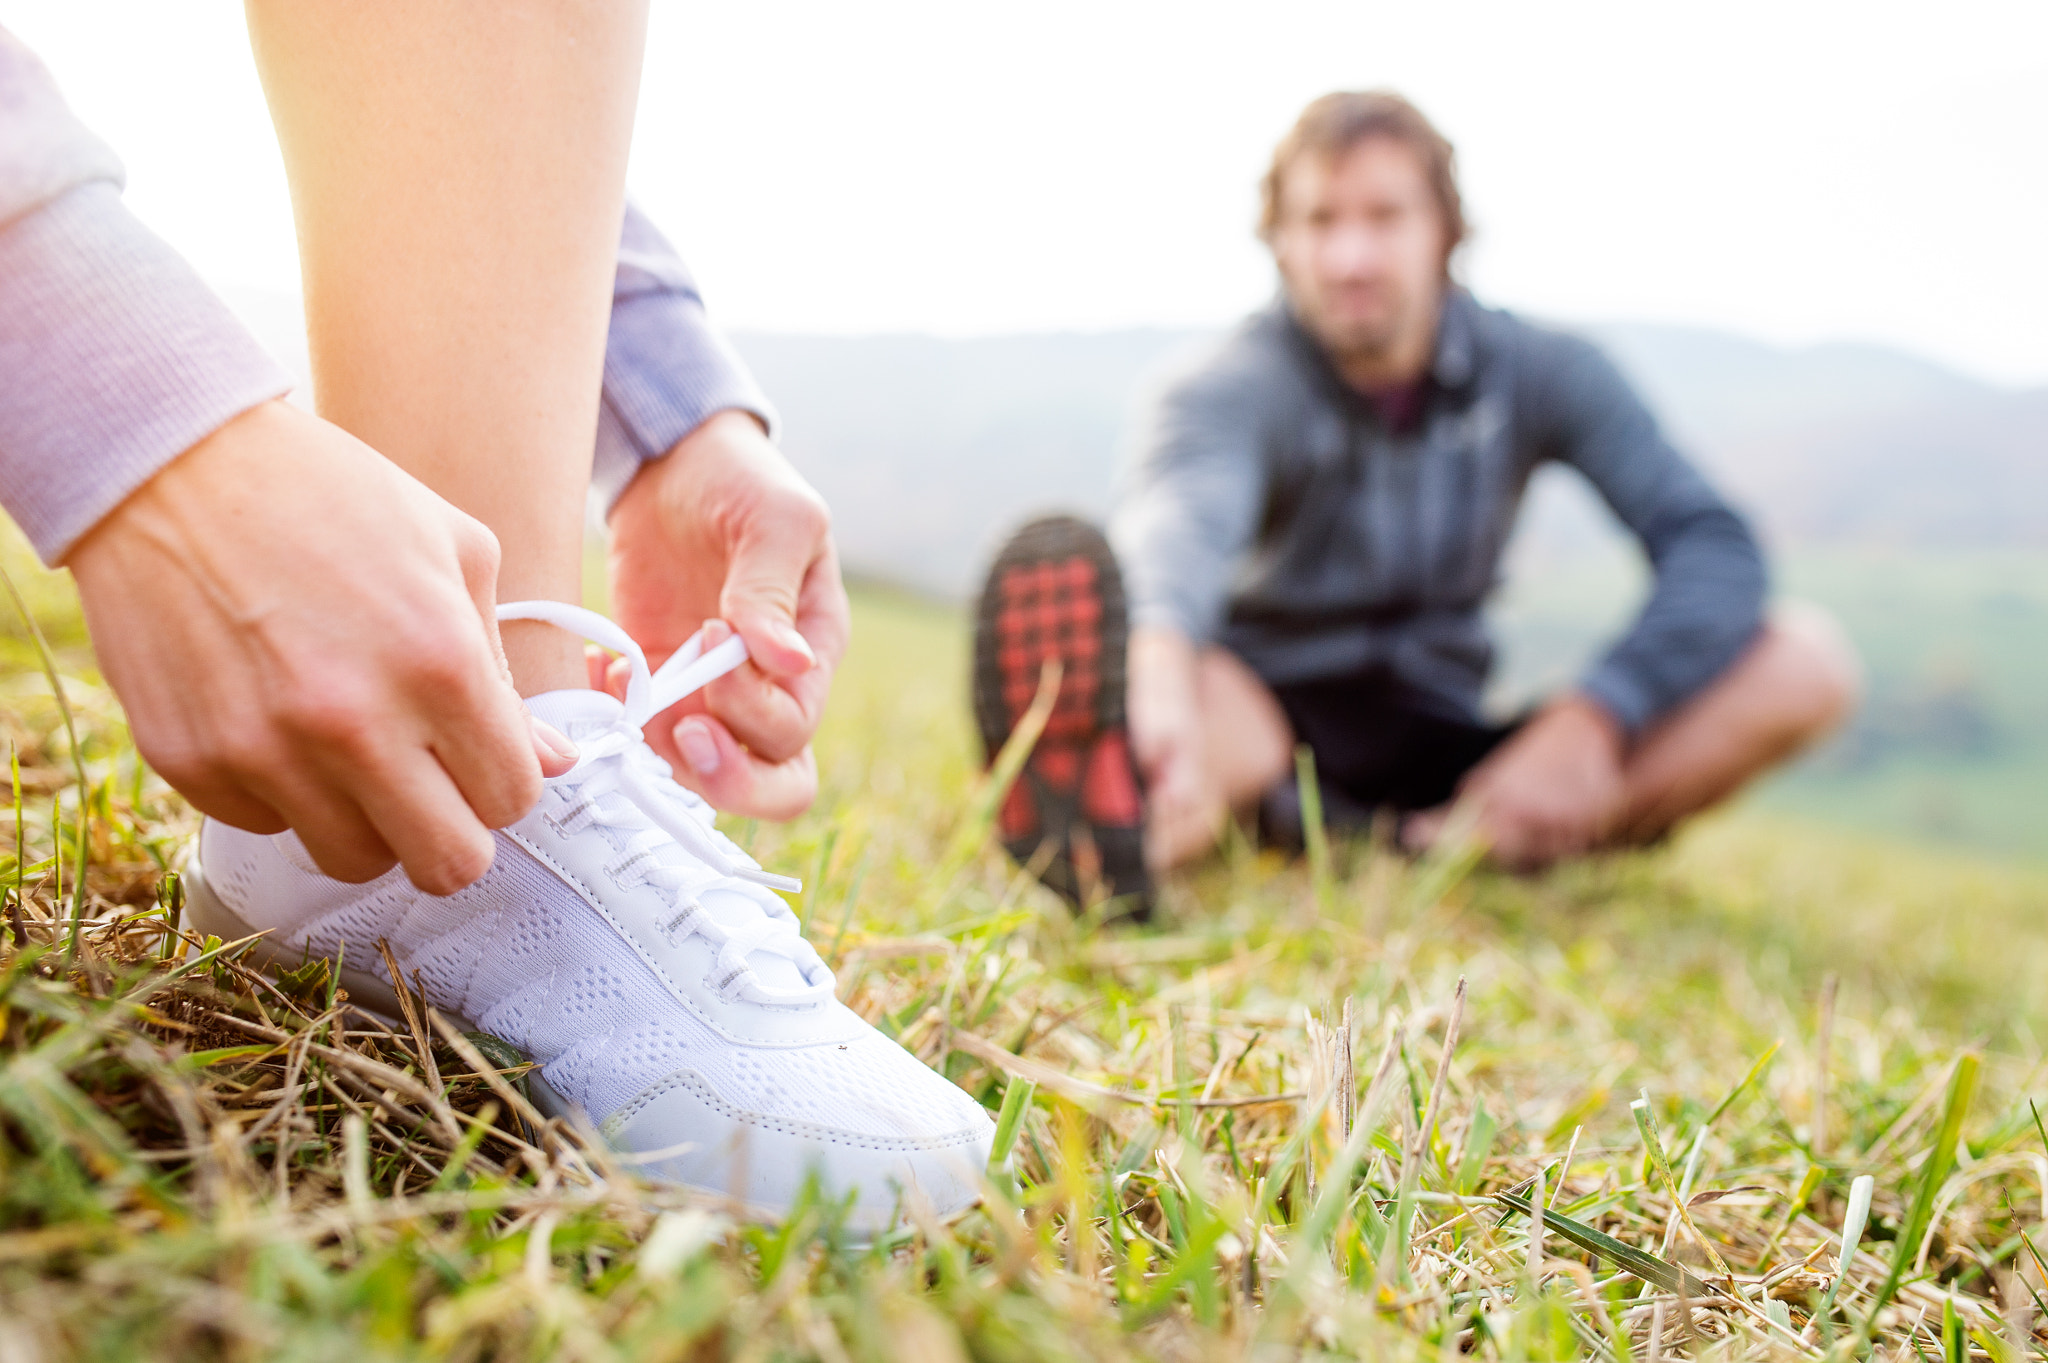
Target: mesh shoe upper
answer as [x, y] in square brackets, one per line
[634, 968]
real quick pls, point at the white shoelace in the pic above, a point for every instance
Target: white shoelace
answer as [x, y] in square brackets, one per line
[617, 757]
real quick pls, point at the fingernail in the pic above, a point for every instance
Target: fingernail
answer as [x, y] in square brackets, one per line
[792, 640]
[552, 738]
[697, 748]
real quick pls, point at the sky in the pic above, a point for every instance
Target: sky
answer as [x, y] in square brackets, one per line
[1796, 172]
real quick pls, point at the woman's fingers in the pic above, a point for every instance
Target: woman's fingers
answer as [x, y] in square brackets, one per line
[709, 760]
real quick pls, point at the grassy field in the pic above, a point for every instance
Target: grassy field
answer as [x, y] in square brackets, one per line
[1301, 1115]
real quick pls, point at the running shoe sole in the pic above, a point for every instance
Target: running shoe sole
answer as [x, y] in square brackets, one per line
[1076, 812]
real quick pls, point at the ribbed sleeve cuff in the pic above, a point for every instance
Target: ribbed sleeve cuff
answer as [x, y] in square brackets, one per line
[114, 359]
[667, 371]
[1622, 696]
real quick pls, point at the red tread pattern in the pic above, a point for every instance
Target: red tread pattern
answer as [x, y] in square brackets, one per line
[1076, 812]
[1051, 609]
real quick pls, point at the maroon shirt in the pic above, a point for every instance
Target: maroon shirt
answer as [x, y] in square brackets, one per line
[1399, 408]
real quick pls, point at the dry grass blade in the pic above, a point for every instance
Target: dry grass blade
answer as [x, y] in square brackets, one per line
[1088, 1094]
[1419, 1140]
[514, 1101]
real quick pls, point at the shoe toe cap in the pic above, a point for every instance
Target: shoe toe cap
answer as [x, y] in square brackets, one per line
[887, 1153]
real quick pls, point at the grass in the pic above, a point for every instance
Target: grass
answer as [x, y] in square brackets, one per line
[1302, 1114]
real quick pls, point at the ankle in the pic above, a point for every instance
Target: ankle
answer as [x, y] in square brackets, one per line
[543, 658]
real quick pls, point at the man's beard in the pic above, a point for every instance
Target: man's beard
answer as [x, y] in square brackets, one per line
[1362, 340]
[1365, 343]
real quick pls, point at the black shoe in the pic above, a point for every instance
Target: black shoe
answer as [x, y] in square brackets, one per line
[1076, 813]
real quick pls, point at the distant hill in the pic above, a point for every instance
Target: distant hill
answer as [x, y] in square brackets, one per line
[1850, 444]
[1718, 388]
[928, 448]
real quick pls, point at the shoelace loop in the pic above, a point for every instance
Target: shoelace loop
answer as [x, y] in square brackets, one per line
[676, 811]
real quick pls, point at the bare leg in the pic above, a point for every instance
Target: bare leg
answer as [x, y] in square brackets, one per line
[1795, 684]
[1247, 745]
[458, 176]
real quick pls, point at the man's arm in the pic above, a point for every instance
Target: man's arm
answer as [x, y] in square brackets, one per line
[1189, 501]
[114, 357]
[1707, 601]
[1557, 788]
[1187, 510]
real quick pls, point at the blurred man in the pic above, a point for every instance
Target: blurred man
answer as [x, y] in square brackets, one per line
[1310, 528]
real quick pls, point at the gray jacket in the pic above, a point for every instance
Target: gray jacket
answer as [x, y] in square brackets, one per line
[1268, 509]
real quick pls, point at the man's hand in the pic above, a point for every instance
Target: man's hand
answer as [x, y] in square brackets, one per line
[1182, 807]
[304, 636]
[1554, 790]
[722, 528]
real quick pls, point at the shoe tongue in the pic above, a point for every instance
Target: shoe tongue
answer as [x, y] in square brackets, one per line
[735, 908]
[578, 713]
[575, 712]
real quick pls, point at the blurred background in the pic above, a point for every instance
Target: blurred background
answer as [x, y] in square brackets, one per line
[956, 242]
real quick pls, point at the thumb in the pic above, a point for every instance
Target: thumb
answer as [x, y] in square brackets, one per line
[762, 586]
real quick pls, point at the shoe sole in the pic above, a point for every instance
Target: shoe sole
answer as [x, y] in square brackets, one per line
[1054, 590]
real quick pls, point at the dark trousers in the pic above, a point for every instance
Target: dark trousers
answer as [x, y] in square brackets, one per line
[1378, 744]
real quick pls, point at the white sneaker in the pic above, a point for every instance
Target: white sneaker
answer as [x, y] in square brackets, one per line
[622, 942]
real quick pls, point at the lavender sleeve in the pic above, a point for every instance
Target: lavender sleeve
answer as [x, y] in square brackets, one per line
[666, 367]
[114, 356]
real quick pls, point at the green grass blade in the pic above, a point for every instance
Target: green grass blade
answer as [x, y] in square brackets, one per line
[49, 662]
[451, 1174]
[1197, 1257]
[1479, 1138]
[1638, 1263]
[1314, 835]
[1456, 855]
[1646, 1123]
[1962, 1087]
[1754, 1071]
[21, 851]
[199, 1060]
[1853, 1222]
[981, 812]
[1009, 1121]
[815, 886]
